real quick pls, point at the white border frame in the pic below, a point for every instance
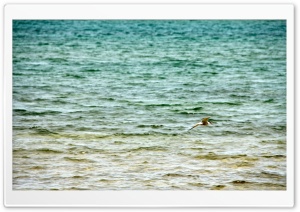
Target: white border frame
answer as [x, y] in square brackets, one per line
[146, 198]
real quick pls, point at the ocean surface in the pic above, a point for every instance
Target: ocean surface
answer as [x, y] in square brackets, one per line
[108, 104]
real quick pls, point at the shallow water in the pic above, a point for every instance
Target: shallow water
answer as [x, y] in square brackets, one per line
[107, 105]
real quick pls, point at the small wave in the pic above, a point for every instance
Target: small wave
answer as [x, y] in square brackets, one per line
[84, 150]
[57, 60]
[91, 70]
[153, 126]
[236, 182]
[178, 175]
[228, 103]
[119, 142]
[173, 175]
[196, 108]
[210, 72]
[238, 96]
[149, 133]
[24, 112]
[42, 131]
[83, 160]
[162, 105]
[149, 148]
[271, 175]
[19, 150]
[182, 112]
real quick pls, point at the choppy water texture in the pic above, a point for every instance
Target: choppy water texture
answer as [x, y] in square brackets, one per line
[106, 105]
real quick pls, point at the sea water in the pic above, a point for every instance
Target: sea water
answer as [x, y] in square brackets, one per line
[108, 104]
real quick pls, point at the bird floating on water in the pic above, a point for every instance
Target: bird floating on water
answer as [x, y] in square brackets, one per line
[204, 122]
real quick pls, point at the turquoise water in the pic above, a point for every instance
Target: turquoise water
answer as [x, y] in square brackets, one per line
[107, 105]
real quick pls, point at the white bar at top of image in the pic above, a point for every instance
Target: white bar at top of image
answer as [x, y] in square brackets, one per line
[147, 11]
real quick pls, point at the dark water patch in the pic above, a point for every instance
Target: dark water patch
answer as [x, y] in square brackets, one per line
[173, 175]
[239, 96]
[58, 60]
[37, 167]
[43, 44]
[108, 99]
[48, 151]
[238, 182]
[32, 86]
[280, 142]
[272, 175]
[22, 177]
[145, 134]
[19, 150]
[178, 175]
[18, 74]
[273, 156]
[75, 76]
[83, 129]
[196, 108]
[279, 127]
[218, 187]
[22, 153]
[272, 186]
[231, 132]
[78, 177]
[210, 72]
[136, 83]
[188, 111]
[105, 180]
[153, 126]
[261, 69]
[244, 164]
[119, 142]
[214, 156]
[58, 101]
[196, 149]
[199, 142]
[76, 188]
[269, 101]
[197, 184]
